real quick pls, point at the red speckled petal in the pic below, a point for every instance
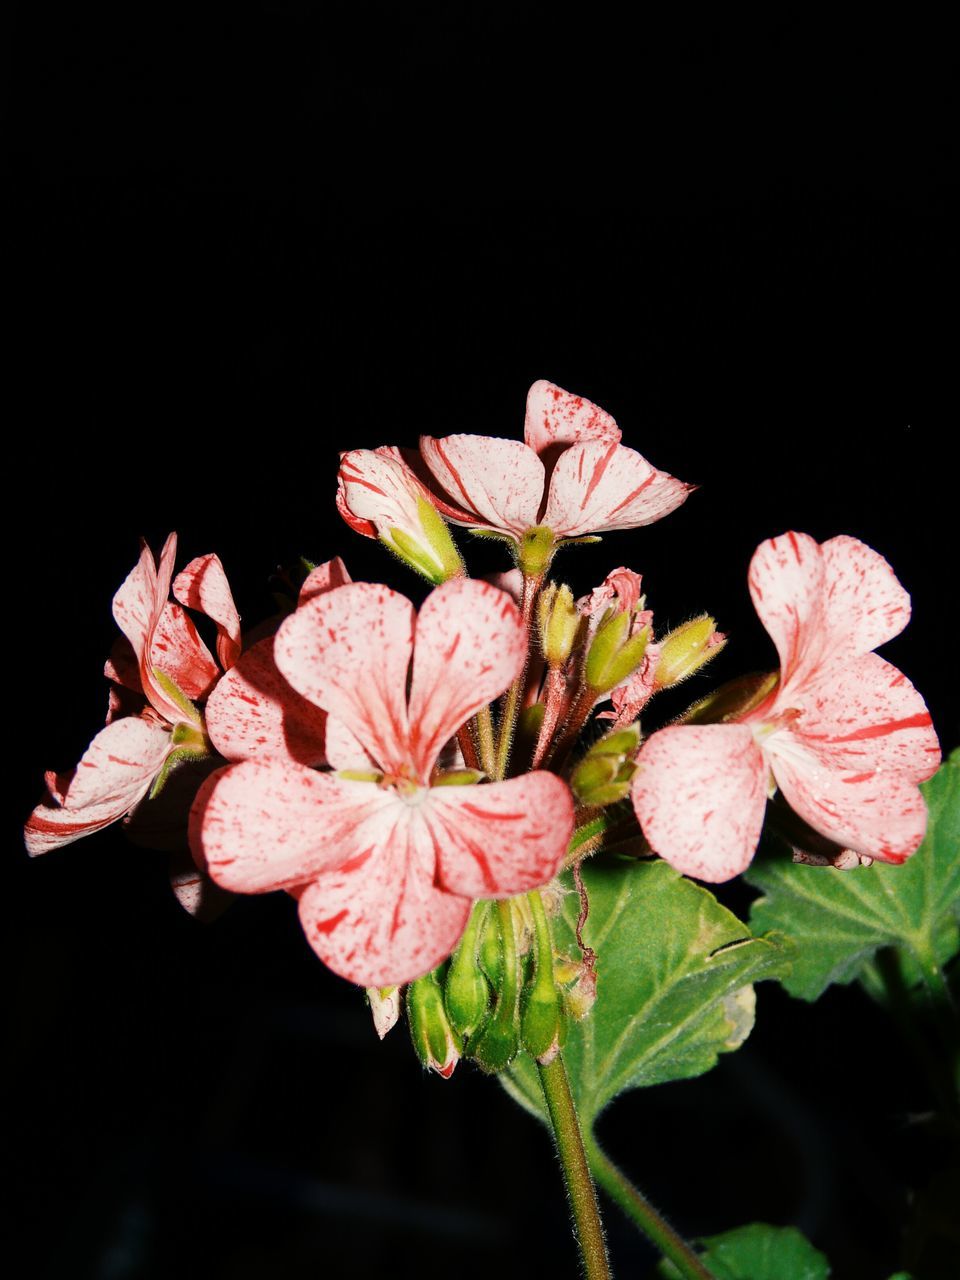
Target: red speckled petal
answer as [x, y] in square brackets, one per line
[877, 812]
[470, 645]
[865, 604]
[699, 793]
[349, 652]
[786, 581]
[556, 417]
[115, 773]
[378, 491]
[384, 921]
[270, 824]
[253, 712]
[600, 487]
[500, 838]
[869, 716]
[325, 577]
[343, 749]
[496, 483]
[203, 585]
[137, 607]
[177, 650]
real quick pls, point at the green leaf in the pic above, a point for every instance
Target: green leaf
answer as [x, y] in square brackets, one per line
[674, 970]
[837, 920]
[758, 1252]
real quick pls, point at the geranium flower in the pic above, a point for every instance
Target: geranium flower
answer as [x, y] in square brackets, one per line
[165, 667]
[570, 475]
[386, 862]
[844, 734]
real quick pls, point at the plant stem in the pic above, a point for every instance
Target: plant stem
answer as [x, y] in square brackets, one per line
[576, 1172]
[484, 723]
[636, 1206]
[511, 702]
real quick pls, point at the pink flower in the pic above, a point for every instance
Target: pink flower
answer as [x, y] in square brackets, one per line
[386, 865]
[165, 665]
[571, 474]
[844, 734]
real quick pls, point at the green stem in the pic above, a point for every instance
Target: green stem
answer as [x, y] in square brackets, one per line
[576, 1172]
[485, 741]
[511, 702]
[636, 1206]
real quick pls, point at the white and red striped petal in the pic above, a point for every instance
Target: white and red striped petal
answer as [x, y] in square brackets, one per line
[269, 824]
[384, 921]
[497, 484]
[177, 650]
[867, 715]
[203, 585]
[556, 417]
[349, 652]
[877, 812]
[499, 839]
[786, 580]
[599, 487]
[254, 712]
[377, 491]
[699, 793]
[323, 578]
[344, 751]
[864, 603]
[470, 644]
[115, 773]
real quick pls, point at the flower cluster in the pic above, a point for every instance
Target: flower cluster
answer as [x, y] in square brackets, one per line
[394, 770]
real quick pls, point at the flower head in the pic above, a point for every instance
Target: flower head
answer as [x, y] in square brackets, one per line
[843, 735]
[386, 860]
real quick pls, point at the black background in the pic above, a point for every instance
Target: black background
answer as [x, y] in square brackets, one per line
[245, 238]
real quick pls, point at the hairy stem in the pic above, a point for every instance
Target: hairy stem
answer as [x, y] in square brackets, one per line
[636, 1206]
[576, 1172]
[511, 701]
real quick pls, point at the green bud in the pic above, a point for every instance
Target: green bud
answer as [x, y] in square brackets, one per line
[614, 653]
[437, 1044]
[466, 992]
[498, 1043]
[732, 700]
[685, 650]
[535, 551]
[491, 960]
[456, 777]
[542, 1024]
[559, 623]
[621, 743]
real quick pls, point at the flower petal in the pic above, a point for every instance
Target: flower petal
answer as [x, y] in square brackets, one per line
[348, 652]
[377, 491]
[869, 716]
[325, 577]
[270, 824]
[495, 483]
[137, 607]
[470, 644]
[203, 585]
[343, 749]
[115, 773]
[556, 417]
[385, 921]
[700, 793]
[823, 605]
[253, 712]
[874, 811]
[600, 487]
[177, 650]
[501, 838]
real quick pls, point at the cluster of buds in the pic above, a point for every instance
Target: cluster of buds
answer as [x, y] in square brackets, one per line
[418, 780]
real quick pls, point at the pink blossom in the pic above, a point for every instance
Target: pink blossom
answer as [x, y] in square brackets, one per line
[620, 590]
[161, 669]
[386, 864]
[571, 474]
[844, 734]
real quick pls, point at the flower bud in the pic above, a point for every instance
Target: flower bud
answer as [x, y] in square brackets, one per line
[385, 1007]
[600, 780]
[466, 992]
[437, 1044]
[542, 1024]
[685, 650]
[499, 1041]
[614, 652]
[732, 700]
[582, 996]
[559, 623]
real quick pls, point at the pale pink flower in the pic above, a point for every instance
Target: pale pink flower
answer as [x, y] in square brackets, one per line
[844, 735]
[386, 866]
[620, 590]
[570, 474]
[163, 662]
